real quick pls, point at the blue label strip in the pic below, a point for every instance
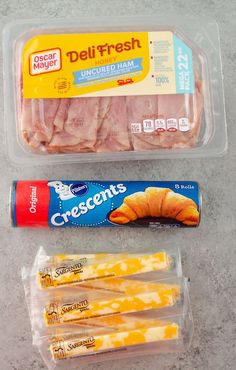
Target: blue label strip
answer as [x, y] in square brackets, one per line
[91, 202]
[109, 70]
[183, 67]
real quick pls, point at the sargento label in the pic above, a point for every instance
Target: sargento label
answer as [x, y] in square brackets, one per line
[77, 203]
[57, 313]
[75, 268]
[88, 343]
[80, 306]
[106, 64]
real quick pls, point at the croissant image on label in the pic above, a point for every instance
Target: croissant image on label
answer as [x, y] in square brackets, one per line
[156, 202]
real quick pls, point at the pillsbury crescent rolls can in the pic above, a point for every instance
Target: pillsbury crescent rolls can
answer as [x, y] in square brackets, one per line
[79, 203]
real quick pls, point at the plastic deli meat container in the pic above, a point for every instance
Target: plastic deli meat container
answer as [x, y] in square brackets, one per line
[113, 89]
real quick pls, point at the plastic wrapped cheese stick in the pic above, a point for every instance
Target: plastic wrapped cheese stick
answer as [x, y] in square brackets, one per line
[42, 259]
[80, 346]
[73, 257]
[94, 258]
[120, 285]
[57, 313]
[104, 325]
[119, 322]
[116, 322]
[77, 273]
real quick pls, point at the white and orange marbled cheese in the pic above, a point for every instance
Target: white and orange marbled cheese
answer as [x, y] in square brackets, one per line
[80, 346]
[63, 313]
[95, 257]
[122, 285]
[75, 273]
[117, 322]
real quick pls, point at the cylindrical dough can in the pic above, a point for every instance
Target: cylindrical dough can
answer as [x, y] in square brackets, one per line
[81, 203]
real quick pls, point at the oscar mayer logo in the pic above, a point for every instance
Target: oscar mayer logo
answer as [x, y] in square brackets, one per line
[45, 61]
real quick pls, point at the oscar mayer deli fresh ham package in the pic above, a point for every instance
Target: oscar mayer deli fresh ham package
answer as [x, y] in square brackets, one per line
[113, 89]
[59, 203]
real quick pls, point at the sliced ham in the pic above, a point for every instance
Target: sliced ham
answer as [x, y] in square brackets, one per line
[61, 114]
[37, 120]
[142, 108]
[82, 120]
[104, 124]
[192, 109]
[174, 107]
[63, 139]
[26, 116]
[113, 134]
[48, 110]
[62, 142]
[140, 144]
[104, 108]
[79, 148]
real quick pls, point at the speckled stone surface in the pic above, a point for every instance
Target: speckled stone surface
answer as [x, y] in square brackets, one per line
[208, 252]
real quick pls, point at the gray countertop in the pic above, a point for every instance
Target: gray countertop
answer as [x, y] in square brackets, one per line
[208, 252]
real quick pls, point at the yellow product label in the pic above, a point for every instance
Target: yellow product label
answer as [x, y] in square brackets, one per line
[105, 64]
[82, 346]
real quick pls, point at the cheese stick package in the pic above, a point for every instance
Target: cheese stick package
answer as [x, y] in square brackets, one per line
[69, 306]
[110, 306]
[42, 260]
[108, 323]
[141, 336]
[108, 89]
[77, 203]
[74, 268]
[75, 273]
[146, 332]
[101, 275]
[84, 310]
[81, 346]
[76, 310]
